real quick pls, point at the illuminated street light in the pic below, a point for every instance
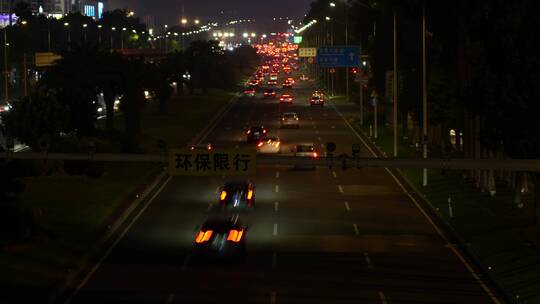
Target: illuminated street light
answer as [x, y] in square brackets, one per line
[24, 22]
[253, 35]
[66, 23]
[328, 18]
[184, 21]
[245, 35]
[197, 21]
[332, 4]
[85, 25]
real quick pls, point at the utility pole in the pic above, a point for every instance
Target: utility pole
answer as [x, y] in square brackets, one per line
[25, 71]
[347, 69]
[395, 89]
[6, 71]
[424, 97]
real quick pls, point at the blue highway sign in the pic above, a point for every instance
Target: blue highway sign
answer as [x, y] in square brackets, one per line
[338, 56]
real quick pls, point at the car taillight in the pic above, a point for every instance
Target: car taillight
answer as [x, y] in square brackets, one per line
[315, 154]
[260, 144]
[235, 235]
[203, 236]
[223, 195]
[248, 131]
[264, 131]
[250, 194]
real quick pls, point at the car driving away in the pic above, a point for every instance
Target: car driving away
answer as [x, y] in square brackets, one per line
[237, 195]
[220, 238]
[269, 145]
[269, 93]
[286, 98]
[316, 100]
[249, 92]
[305, 150]
[254, 134]
[290, 120]
[201, 147]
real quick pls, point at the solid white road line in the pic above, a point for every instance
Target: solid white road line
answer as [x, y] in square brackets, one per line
[356, 229]
[273, 297]
[382, 297]
[277, 174]
[368, 260]
[275, 229]
[276, 206]
[120, 237]
[347, 206]
[170, 299]
[277, 188]
[340, 189]
[334, 174]
[445, 239]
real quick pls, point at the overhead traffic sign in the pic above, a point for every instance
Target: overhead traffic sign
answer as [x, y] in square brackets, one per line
[307, 52]
[338, 56]
[230, 162]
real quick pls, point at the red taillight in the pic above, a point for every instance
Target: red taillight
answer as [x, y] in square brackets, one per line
[315, 154]
[248, 131]
[203, 236]
[264, 131]
[235, 235]
[260, 144]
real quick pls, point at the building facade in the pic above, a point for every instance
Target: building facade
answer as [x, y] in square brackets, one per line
[91, 8]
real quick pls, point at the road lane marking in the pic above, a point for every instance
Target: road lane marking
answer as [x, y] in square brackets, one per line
[334, 174]
[275, 229]
[368, 260]
[356, 229]
[274, 260]
[120, 237]
[277, 188]
[273, 297]
[340, 189]
[458, 254]
[277, 174]
[186, 262]
[170, 299]
[382, 297]
[332, 127]
[347, 206]
[276, 206]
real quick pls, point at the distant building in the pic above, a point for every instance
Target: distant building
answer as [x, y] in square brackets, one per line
[57, 8]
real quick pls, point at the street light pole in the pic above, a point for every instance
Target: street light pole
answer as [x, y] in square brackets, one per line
[6, 72]
[395, 89]
[424, 97]
[113, 29]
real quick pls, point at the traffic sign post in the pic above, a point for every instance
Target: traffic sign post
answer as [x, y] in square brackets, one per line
[232, 162]
[338, 56]
[307, 52]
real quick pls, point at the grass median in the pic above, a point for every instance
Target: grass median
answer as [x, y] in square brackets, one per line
[73, 211]
[502, 236]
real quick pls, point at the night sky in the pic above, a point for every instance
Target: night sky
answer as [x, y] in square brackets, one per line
[168, 10]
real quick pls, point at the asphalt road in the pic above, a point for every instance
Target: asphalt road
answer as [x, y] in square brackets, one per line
[316, 236]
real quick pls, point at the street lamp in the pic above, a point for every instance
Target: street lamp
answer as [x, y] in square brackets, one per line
[84, 30]
[122, 37]
[184, 21]
[113, 29]
[332, 4]
[197, 21]
[99, 34]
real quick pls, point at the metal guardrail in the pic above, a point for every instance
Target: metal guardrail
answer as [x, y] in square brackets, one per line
[528, 165]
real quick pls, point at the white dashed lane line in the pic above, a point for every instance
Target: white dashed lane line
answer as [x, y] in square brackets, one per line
[382, 297]
[334, 174]
[347, 207]
[340, 189]
[368, 260]
[277, 188]
[276, 206]
[277, 174]
[275, 229]
[356, 229]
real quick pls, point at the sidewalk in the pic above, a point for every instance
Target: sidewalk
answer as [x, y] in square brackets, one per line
[501, 236]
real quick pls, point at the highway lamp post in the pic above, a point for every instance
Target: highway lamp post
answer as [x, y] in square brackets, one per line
[395, 90]
[346, 25]
[48, 35]
[84, 31]
[25, 69]
[66, 25]
[6, 71]
[424, 98]
[99, 35]
[122, 37]
[113, 29]
[183, 23]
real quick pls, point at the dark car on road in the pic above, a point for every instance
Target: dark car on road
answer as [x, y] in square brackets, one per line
[237, 195]
[254, 134]
[220, 238]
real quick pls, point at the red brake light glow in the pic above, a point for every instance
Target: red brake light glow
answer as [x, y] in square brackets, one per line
[203, 236]
[260, 144]
[235, 235]
[315, 154]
